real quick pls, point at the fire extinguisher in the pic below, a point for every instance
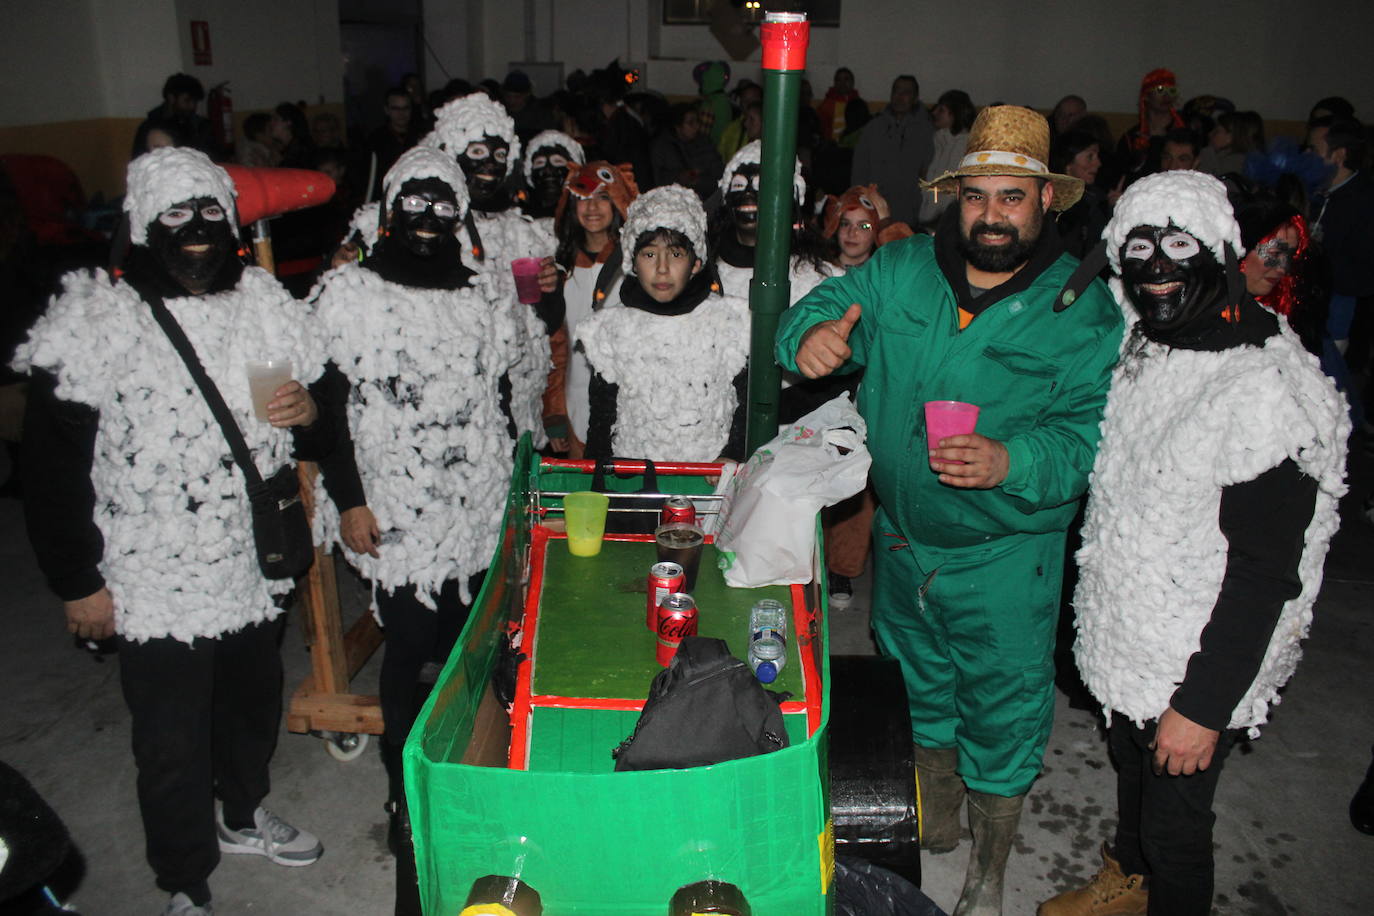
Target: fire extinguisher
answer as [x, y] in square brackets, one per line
[220, 108]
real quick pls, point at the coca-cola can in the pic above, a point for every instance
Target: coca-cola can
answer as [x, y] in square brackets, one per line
[677, 509]
[677, 617]
[664, 579]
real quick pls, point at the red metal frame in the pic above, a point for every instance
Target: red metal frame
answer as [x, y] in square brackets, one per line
[621, 466]
[523, 706]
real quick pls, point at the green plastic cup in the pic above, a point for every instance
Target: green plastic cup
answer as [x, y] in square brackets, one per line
[585, 515]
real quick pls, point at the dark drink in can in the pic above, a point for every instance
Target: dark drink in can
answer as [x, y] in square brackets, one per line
[677, 509]
[664, 580]
[677, 617]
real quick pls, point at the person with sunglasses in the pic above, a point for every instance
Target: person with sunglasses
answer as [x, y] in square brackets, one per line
[417, 479]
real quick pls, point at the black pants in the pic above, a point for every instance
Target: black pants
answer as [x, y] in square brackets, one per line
[415, 636]
[1165, 827]
[205, 720]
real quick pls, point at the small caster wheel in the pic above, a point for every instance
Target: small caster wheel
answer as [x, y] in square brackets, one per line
[345, 746]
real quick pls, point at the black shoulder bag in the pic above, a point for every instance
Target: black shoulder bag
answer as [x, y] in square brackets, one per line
[280, 529]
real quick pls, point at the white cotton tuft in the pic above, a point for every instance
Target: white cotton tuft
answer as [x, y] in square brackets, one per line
[367, 224]
[1192, 201]
[553, 138]
[172, 175]
[752, 154]
[170, 502]
[468, 119]
[669, 207]
[426, 162]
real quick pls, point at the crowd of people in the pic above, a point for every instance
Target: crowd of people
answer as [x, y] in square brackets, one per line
[1239, 267]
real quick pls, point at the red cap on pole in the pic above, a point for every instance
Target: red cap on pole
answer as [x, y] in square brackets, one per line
[264, 192]
[785, 37]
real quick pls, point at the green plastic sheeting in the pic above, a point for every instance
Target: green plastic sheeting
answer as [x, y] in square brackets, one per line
[589, 840]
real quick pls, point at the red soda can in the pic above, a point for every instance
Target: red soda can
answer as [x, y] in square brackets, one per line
[664, 579]
[677, 617]
[677, 509]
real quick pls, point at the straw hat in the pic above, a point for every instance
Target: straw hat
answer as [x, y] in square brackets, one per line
[1009, 140]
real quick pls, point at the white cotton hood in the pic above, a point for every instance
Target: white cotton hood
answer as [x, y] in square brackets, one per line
[470, 118]
[172, 175]
[669, 207]
[553, 138]
[752, 154]
[426, 162]
[1192, 201]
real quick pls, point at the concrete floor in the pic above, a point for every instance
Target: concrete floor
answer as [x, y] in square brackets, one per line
[1283, 841]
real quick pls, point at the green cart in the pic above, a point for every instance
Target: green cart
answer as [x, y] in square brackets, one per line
[531, 792]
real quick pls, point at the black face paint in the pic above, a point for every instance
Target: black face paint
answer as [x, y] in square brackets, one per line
[423, 215]
[192, 240]
[484, 165]
[1171, 278]
[420, 248]
[743, 200]
[548, 171]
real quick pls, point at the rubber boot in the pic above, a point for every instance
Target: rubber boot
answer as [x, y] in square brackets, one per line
[993, 820]
[398, 834]
[939, 797]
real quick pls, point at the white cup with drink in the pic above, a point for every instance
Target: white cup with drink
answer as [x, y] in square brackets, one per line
[265, 376]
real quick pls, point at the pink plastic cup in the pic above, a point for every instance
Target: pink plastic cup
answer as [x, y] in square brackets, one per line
[949, 418]
[526, 271]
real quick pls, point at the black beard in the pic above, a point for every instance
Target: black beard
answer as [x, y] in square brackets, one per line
[196, 273]
[997, 259]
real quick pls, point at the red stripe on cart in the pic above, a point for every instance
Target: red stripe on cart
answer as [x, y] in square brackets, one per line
[672, 468]
[614, 704]
[811, 677]
[521, 710]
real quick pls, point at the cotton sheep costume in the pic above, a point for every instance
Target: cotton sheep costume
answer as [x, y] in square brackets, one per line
[179, 558]
[502, 236]
[802, 275]
[1181, 425]
[423, 411]
[676, 398]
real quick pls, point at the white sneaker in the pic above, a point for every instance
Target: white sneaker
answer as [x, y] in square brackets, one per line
[181, 905]
[271, 837]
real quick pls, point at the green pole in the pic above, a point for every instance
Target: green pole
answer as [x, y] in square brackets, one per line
[784, 37]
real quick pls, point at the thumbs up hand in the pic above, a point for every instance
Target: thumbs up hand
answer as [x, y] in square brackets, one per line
[825, 347]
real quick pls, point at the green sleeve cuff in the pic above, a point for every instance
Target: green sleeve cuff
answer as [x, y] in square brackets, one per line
[1020, 480]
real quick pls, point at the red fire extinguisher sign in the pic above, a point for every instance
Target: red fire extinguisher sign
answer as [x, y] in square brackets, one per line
[200, 42]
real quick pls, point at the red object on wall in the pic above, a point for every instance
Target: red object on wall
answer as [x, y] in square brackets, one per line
[200, 43]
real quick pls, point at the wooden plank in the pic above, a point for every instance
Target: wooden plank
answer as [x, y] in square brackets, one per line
[338, 712]
[361, 640]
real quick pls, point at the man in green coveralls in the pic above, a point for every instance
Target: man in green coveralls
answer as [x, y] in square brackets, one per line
[970, 534]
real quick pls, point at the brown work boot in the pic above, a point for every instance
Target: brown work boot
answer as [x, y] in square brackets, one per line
[1109, 893]
[939, 797]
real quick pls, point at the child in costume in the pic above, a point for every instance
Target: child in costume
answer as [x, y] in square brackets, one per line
[548, 157]
[669, 359]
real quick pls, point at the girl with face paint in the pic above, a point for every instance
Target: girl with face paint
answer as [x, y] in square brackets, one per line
[1279, 266]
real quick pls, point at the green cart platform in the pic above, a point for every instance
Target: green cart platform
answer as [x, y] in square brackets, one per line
[532, 792]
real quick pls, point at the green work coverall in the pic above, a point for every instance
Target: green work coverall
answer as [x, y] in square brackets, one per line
[967, 582]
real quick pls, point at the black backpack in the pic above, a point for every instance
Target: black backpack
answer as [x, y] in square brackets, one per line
[705, 707]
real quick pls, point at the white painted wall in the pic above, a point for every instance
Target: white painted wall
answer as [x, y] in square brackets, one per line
[1269, 55]
[270, 51]
[72, 60]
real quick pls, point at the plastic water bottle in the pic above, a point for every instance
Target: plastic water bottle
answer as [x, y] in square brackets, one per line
[767, 639]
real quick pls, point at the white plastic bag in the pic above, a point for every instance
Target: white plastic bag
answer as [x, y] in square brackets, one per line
[766, 532]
